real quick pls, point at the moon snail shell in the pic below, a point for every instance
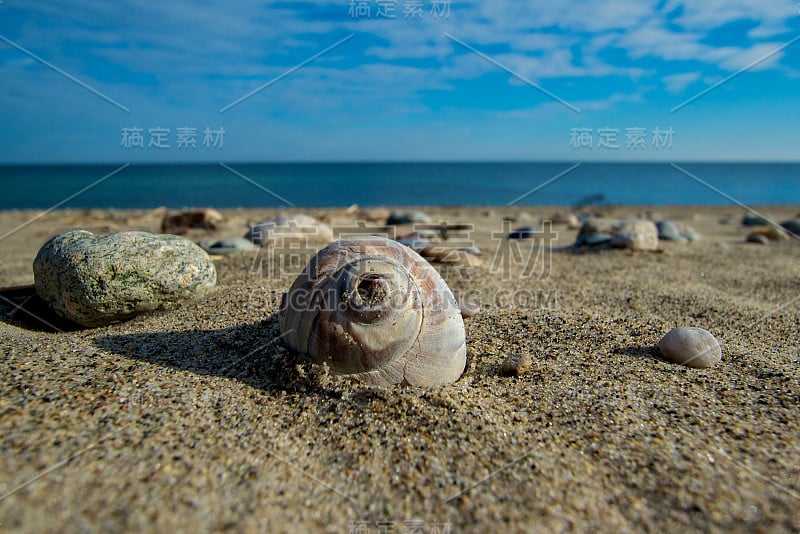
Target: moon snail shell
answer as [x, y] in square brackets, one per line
[374, 309]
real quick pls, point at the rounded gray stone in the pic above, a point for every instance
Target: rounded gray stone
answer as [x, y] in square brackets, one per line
[691, 346]
[751, 219]
[95, 281]
[668, 231]
[792, 225]
[229, 245]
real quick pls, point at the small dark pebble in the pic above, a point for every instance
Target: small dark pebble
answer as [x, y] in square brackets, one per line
[525, 232]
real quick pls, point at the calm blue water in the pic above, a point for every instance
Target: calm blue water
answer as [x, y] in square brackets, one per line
[371, 184]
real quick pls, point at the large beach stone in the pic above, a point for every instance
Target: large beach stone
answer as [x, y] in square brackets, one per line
[95, 281]
[690, 346]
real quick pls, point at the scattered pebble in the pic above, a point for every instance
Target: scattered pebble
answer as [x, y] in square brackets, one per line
[415, 242]
[516, 365]
[289, 227]
[229, 245]
[95, 281]
[407, 217]
[668, 231]
[524, 232]
[690, 346]
[523, 216]
[594, 225]
[792, 226]
[440, 254]
[180, 223]
[690, 234]
[635, 234]
[570, 220]
[595, 239]
[372, 215]
[773, 233]
[758, 239]
[751, 219]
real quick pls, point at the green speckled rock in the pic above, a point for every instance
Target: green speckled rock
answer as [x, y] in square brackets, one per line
[95, 281]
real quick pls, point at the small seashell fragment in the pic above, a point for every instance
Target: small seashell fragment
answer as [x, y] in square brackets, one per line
[691, 346]
[447, 255]
[516, 365]
[468, 308]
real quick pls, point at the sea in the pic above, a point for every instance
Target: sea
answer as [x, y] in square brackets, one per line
[231, 185]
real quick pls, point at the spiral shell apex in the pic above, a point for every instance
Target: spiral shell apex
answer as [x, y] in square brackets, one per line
[374, 309]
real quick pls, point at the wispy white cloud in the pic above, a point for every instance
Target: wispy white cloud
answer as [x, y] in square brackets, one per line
[676, 83]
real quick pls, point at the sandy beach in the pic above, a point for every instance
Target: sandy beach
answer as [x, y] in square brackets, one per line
[197, 418]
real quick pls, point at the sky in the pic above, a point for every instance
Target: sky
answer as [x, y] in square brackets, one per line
[385, 80]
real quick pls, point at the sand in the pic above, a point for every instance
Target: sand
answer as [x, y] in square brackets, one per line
[197, 418]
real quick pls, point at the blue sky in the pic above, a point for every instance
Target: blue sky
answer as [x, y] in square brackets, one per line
[460, 80]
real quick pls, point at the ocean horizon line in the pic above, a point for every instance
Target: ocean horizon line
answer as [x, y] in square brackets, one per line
[422, 183]
[406, 162]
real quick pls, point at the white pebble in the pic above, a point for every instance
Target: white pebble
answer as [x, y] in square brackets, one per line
[694, 347]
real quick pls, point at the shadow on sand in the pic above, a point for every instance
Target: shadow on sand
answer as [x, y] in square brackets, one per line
[641, 351]
[251, 353]
[21, 306]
